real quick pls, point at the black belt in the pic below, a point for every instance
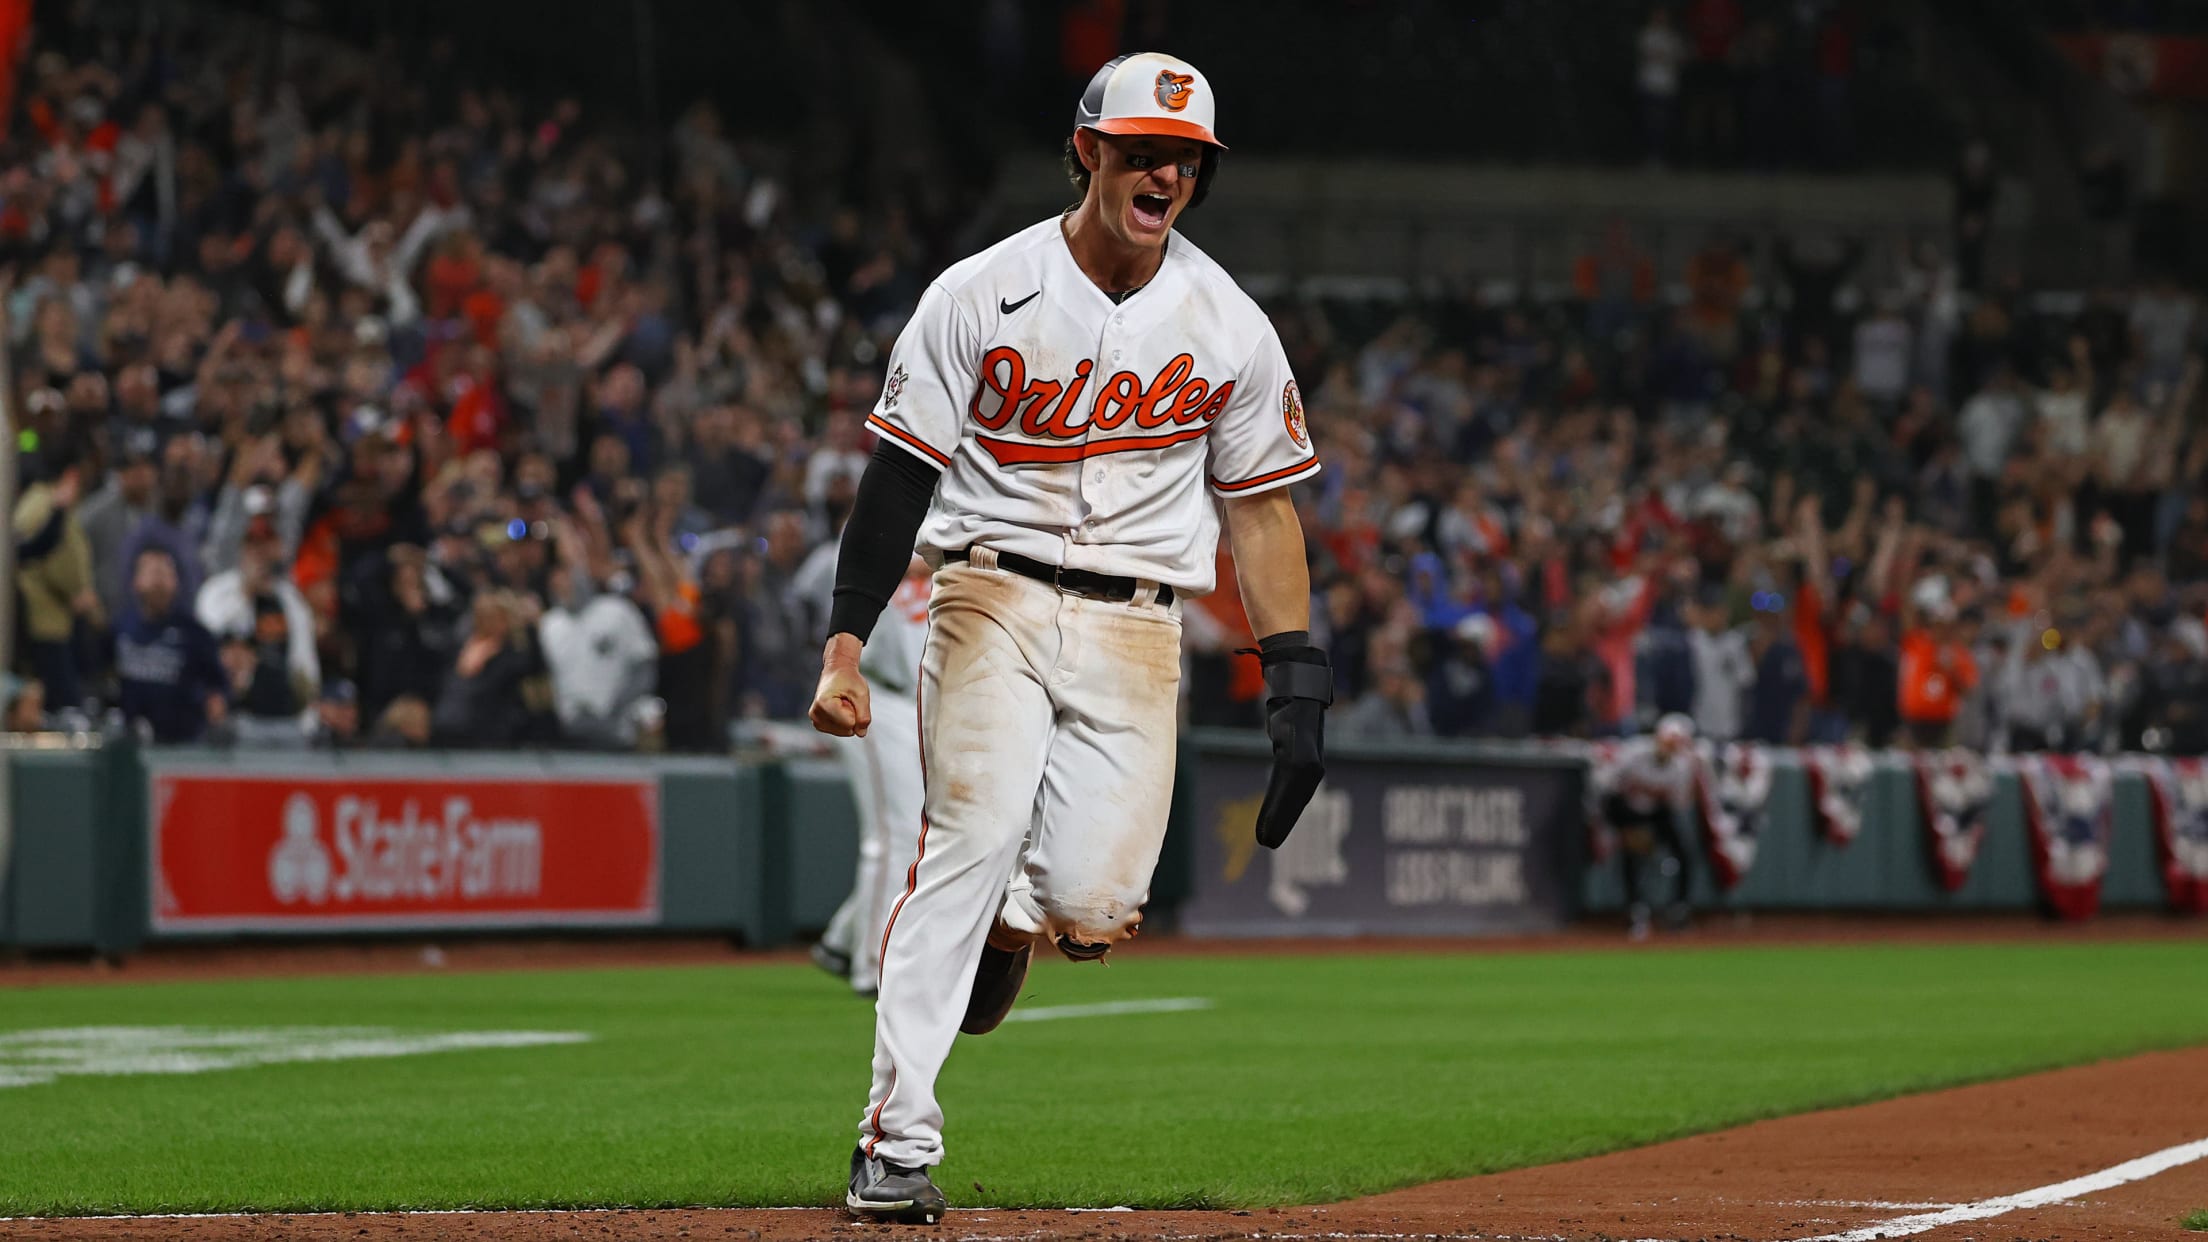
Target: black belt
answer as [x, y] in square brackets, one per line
[1085, 583]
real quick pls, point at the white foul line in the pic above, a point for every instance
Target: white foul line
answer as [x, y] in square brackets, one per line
[1109, 1009]
[2108, 1178]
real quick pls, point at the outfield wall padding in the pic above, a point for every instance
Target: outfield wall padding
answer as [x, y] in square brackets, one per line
[762, 851]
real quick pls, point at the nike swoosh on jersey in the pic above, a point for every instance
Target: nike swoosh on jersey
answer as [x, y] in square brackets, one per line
[1007, 308]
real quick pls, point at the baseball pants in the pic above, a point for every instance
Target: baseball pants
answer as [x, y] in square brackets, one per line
[1047, 730]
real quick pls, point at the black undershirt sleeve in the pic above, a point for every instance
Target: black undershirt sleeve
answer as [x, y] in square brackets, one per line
[892, 498]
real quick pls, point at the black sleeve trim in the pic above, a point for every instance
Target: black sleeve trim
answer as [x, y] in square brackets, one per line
[892, 498]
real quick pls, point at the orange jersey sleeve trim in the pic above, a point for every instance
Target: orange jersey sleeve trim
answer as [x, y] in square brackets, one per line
[909, 440]
[1284, 474]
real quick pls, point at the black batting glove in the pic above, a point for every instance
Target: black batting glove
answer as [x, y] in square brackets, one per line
[1299, 685]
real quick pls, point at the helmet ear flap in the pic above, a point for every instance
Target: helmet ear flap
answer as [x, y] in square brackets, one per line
[1205, 171]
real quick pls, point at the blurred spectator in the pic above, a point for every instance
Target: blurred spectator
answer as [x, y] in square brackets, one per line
[53, 582]
[482, 702]
[1883, 354]
[22, 705]
[1724, 670]
[178, 523]
[2174, 699]
[728, 463]
[1936, 669]
[602, 657]
[1460, 684]
[1778, 697]
[405, 725]
[267, 632]
[409, 613]
[778, 624]
[1990, 424]
[1396, 709]
[1570, 678]
[336, 724]
[115, 509]
[173, 684]
[2063, 426]
[2049, 691]
[1867, 678]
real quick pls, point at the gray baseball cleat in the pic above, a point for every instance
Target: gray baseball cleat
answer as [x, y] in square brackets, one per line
[892, 1192]
[834, 961]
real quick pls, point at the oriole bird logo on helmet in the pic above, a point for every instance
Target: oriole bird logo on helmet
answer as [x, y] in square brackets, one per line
[1173, 89]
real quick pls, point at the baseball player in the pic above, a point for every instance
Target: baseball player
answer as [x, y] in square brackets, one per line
[1648, 782]
[885, 783]
[1067, 420]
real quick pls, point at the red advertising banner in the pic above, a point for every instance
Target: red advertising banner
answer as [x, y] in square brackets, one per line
[333, 851]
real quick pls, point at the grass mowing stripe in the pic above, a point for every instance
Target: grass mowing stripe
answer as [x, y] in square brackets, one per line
[1311, 1079]
[1109, 1009]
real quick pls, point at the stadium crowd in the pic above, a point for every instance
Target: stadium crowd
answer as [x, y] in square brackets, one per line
[357, 412]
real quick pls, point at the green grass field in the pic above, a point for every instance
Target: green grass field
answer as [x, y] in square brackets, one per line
[1306, 1079]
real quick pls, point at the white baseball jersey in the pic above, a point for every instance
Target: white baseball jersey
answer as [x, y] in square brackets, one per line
[1087, 433]
[1647, 780]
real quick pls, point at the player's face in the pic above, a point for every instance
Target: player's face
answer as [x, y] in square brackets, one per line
[1143, 183]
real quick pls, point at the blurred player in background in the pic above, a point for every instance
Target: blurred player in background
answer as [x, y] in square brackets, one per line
[884, 765]
[1648, 784]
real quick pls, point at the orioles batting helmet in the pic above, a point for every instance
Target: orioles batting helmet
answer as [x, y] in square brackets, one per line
[1148, 93]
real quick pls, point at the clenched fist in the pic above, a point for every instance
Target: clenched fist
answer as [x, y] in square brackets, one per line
[840, 704]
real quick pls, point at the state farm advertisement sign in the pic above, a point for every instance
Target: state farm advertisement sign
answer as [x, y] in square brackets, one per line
[316, 852]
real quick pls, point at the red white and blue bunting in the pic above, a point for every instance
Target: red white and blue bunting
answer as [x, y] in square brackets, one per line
[2069, 808]
[1839, 780]
[1954, 792]
[2178, 793]
[1733, 792]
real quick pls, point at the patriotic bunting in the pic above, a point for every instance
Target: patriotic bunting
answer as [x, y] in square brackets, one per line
[2069, 806]
[1839, 779]
[1732, 791]
[1954, 791]
[2178, 794]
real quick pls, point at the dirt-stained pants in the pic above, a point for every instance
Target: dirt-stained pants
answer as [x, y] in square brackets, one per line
[1046, 721]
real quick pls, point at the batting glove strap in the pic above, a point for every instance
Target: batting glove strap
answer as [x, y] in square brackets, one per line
[1300, 679]
[1294, 669]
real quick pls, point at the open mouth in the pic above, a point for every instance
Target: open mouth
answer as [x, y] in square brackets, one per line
[1150, 210]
